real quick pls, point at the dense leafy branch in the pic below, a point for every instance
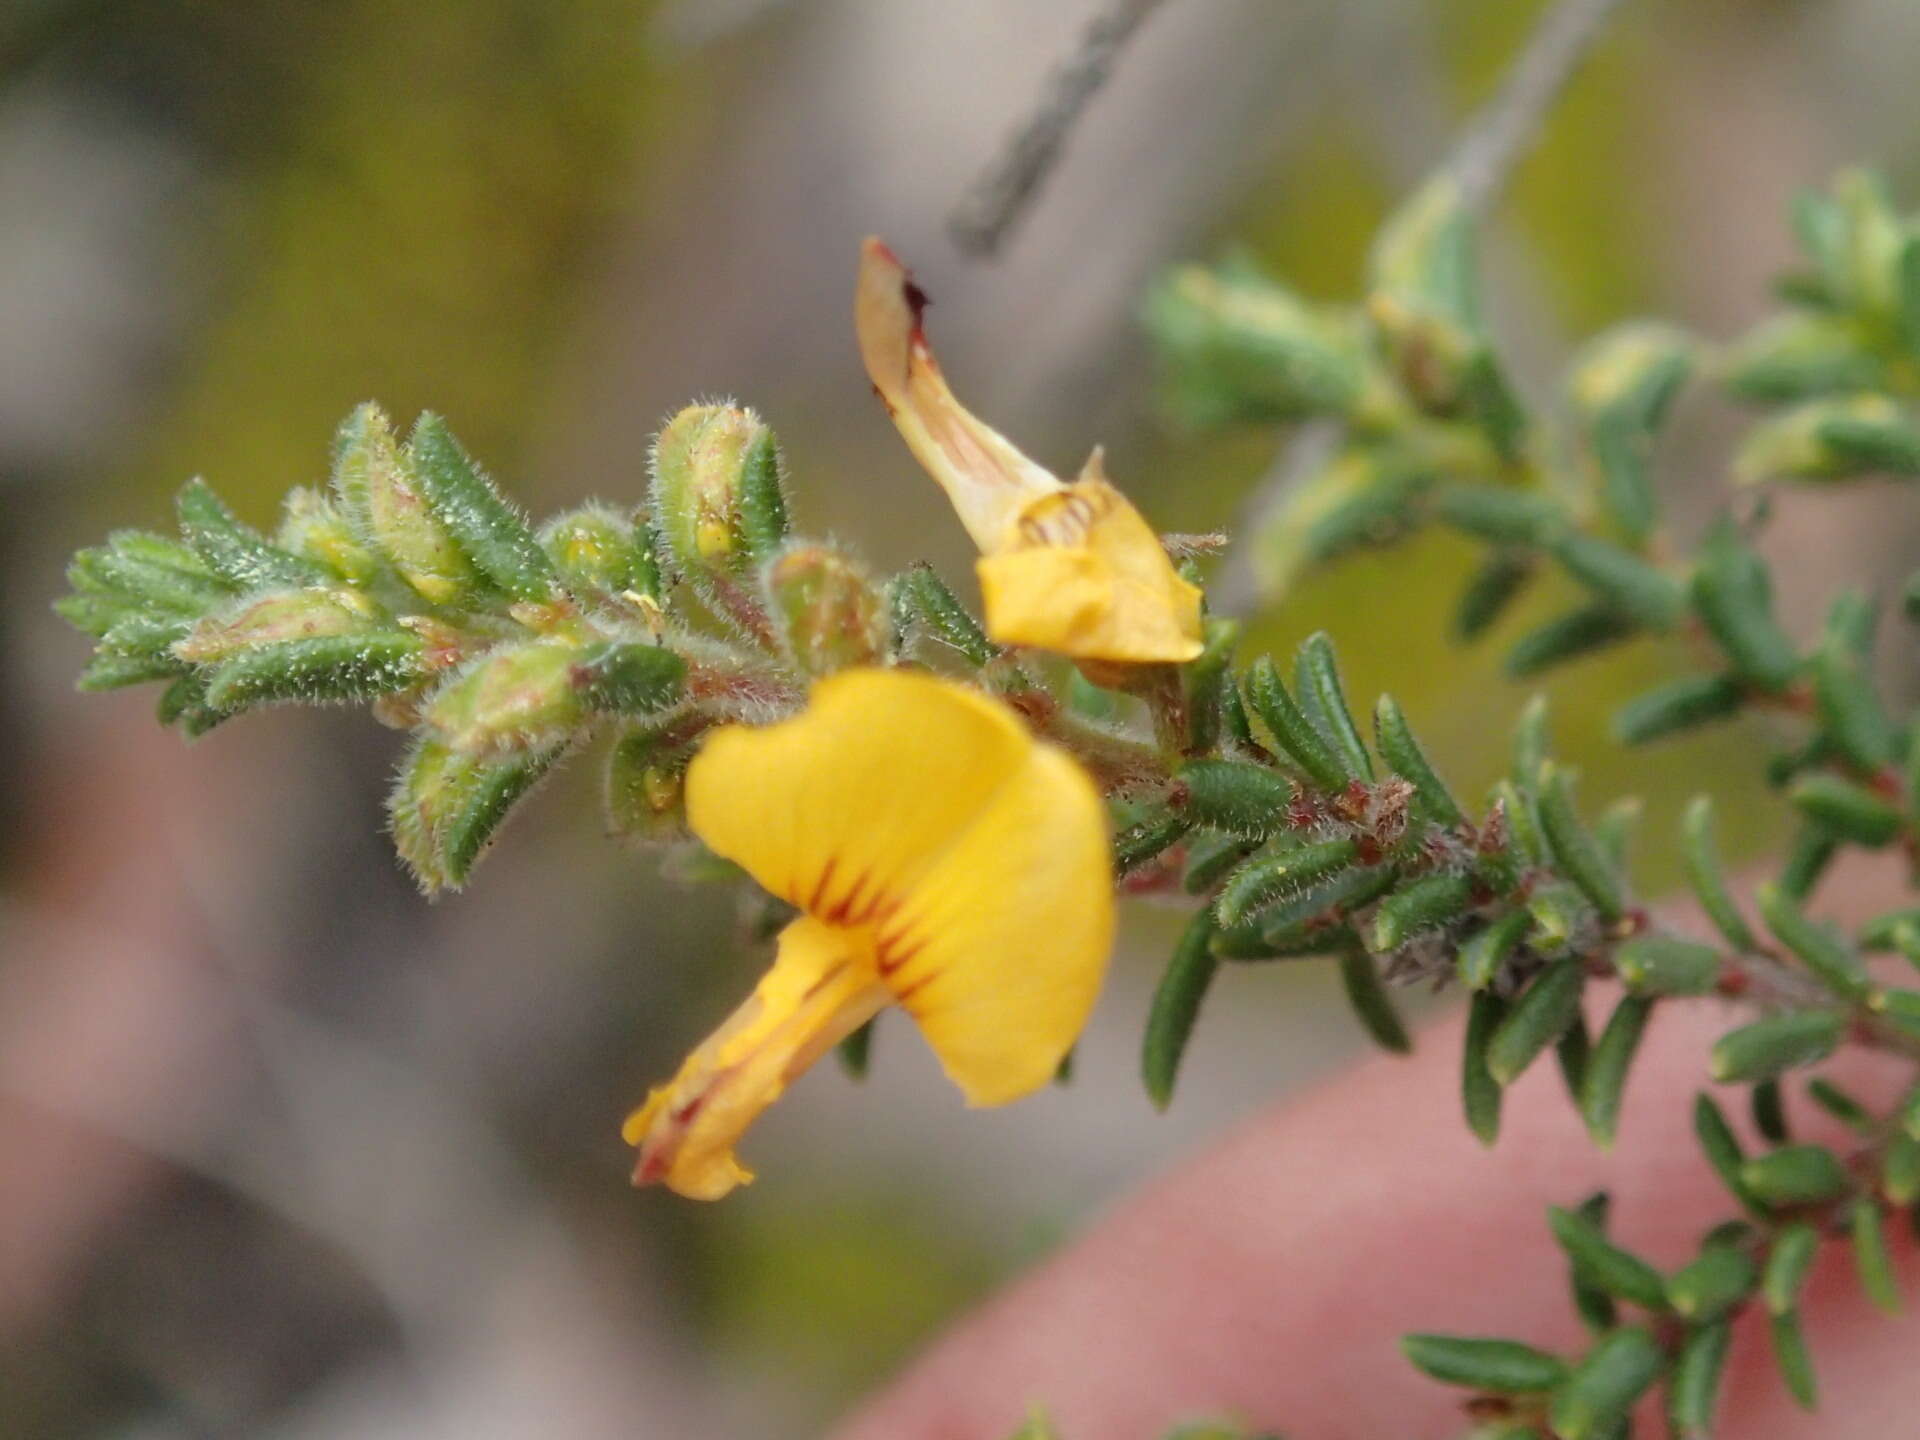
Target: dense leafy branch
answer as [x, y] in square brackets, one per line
[1435, 436]
[412, 586]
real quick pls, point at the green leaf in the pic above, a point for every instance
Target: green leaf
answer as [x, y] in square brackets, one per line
[489, 531]
[1621, 580]
[1606, 1072]
[1335, 897]
[1429, 903]
[1693, 1392]
[114, 672]
[1371, 1003]
[1618, 1272]
[1484, 954]
[1236, 796]
[1480, 1093]
[1809, 853]
[1842, 1106]
[1567, 637]
[1613, 831]
[1868, 1226]
[1769, 1112]
[1559, 913]
[1851, 812]
[1774, 1045]
[1712, 1284]
[1678, 707]
[1176, 1006]
[1602, 1391]
[1819, 948]
[1789, 1261]
[235, 552]
[320, 670]
[1526, 846]
[1666, 965]
[1499, 515]
[1900, 1169]
[1544, 1010]
[1708, 878]
[134, 569]
[1406, 759]
[1596, 1307]
[1291, 730]
[1580, 858]
[1790, 1354]
[1211, 856]
[1276, 874]
[1722, 1150]
[1733, 595]
[1795, 1175]
[924, 603]
[1493, 588]
[1317, 676]
[1530, 743]
[1147, 839]
[1494, 1367]
[1849, 708]
[1572, 1051]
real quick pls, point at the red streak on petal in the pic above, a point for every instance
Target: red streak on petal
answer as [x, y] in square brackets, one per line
[812, 907]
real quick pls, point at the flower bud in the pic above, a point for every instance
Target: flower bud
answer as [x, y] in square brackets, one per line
[718, 492]
[827, 613]
[596, 549]
[514, 698]
[1632, 371]
[446, 808]
[317, 529]
[272, 619]
[644, 785]
[1858, 238]
[1422, 298]
[1833, 439]
[525, 696]
[382, 497]
[1240, 347]
[1798, 356]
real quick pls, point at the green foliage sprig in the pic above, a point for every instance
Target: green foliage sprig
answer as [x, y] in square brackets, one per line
[1433, 435]
[1302, 829]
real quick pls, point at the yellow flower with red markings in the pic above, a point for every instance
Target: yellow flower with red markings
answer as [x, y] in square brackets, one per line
[1065, 566]
[943, 860]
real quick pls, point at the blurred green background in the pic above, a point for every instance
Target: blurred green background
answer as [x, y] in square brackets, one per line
[291, 1153]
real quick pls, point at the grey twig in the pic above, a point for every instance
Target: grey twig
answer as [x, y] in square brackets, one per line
[1003, 191]
[1481, 159]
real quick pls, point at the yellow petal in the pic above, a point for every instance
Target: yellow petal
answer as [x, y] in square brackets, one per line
[928, 813]
[840, 808]
[1000, 949]
[1069, 568]
[823, 986]
[984, 474]
[1090, 579]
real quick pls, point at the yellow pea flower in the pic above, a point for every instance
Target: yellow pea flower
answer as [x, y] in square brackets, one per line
[943, 860]
[1070, 567]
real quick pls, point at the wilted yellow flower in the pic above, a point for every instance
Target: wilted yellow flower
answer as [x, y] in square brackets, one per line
[943, 860]
[1065, 566]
